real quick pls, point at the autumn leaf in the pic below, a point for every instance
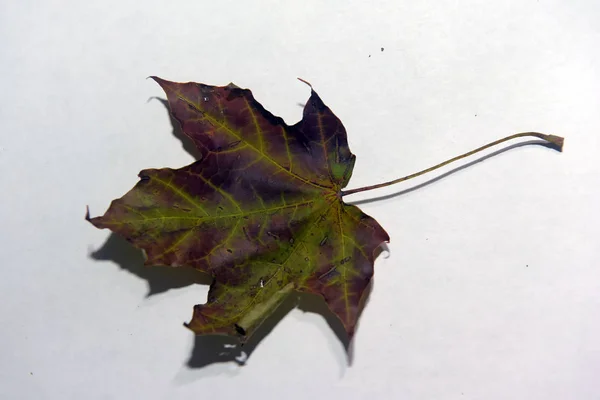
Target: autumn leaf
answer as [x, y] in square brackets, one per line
[261, 212]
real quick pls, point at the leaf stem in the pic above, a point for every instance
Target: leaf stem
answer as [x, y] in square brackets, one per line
[556, 141]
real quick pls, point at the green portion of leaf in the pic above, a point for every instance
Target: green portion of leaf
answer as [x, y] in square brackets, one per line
[261, 211]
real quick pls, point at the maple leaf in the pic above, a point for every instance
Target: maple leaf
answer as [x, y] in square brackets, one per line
[261, 211]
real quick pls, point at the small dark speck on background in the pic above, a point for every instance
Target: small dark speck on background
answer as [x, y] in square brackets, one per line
[382, 49]
[31, 373]
[526, 265]
[369, 56]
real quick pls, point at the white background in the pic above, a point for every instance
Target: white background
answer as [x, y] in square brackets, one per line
[491, 287]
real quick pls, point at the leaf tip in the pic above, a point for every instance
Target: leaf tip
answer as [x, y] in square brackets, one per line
[88, 218]
[158, 80]
[306, 82]
[98, 222]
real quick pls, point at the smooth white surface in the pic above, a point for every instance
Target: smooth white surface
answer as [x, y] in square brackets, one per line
[491, 289]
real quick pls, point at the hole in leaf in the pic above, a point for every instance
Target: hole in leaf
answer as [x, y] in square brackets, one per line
[240, 330]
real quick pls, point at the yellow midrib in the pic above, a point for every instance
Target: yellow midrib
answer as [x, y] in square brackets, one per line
[236, 215]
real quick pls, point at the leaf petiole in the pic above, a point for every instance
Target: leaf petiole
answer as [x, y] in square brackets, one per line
[556, 141]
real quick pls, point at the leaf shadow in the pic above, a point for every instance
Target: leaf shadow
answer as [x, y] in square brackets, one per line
[455, 170]
[159, 278]
[212, 349]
